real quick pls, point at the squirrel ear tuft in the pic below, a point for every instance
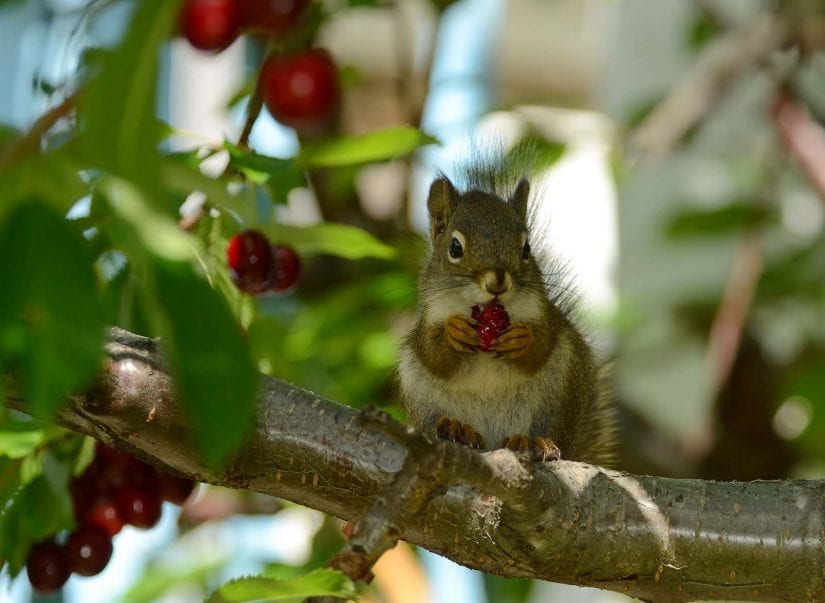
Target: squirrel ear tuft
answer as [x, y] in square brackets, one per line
[440, 202]
[520, 197]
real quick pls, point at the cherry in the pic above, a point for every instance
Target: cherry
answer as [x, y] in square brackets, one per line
[301, 90]
[104, 515]
[210, 24]
[493, 320]
[250, 261]
[287, 268]
[84, 492]
[88, 550]
[271, 17]
[138, 507]
[47, 566]
[175, 489]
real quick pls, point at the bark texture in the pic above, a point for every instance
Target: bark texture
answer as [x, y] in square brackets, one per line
[653, 538]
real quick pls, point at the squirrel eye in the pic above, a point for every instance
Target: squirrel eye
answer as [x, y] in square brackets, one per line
[525, 253]
[456, 250]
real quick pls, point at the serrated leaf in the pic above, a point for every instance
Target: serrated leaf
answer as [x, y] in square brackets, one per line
[317, 583]
[158, 578]
[118, 110]
[342, 240]
[51, 331]
[364, 148]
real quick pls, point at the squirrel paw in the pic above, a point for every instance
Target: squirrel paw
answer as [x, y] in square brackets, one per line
[541, 449]
[461, 333]
[514, 342]
[458, 432]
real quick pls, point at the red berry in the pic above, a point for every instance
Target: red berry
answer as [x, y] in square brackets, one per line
[47, 566]
[84, 492]
[210, 24]
[88, 550]
[271, 17]
[138, 507]
[175, 489]
[104, 515]
[493, 320]
[287, 268]
[250, 261]
[301, 90]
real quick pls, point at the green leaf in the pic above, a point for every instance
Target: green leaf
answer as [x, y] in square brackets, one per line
[342, 240]
[160, 577]
[53, 178]
[118, 112]
[213, 369]
[140, 225]
[36, 511]
[731, 218]
[17, 444]
[51, 331]
[280, 175]
[317, 583]
[210, 360]
[364, 148]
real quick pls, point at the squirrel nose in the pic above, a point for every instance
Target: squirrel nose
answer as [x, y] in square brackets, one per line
[496, 282]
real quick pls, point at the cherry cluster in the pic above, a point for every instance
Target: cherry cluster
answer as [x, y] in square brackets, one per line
[300, 89]
[256, 266]
[492, 320]
[115, 489]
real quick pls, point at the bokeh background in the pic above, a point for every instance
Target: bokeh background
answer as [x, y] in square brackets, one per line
[685, 195]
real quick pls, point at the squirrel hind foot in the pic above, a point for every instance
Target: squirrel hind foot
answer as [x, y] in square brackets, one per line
[541, 448]
[458, 432]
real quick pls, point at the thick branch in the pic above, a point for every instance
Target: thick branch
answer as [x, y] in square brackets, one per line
[653, 538]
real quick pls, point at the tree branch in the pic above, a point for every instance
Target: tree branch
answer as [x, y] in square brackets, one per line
[654, 538]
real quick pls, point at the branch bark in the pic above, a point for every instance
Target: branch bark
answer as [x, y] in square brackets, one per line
[653, 538]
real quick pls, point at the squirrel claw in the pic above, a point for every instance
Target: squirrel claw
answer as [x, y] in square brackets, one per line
[541, 449]
[461, 333]
[514, 342]
[458, 432]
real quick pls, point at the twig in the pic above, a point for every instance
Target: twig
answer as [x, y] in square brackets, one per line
[726, 329]
[693, 97]
[31, 140]
[803, 137]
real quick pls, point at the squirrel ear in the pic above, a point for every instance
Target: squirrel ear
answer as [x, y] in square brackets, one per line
[519, 199]
[440, 203]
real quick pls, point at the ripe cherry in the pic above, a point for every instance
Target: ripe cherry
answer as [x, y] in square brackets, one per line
[88, 550]
[250, 261]
[493, 320]
[137, 507]
[301, 90]
[271, 17]
[287, 268]
[104, 515]
[210, 24]
[175, 489]
[47, 566]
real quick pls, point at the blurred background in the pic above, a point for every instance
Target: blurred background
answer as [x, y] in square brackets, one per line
[686, 194]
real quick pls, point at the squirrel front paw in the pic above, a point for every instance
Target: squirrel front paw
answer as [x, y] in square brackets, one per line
[461, 333]
[514, 342]
[458, 432]
[541, 448]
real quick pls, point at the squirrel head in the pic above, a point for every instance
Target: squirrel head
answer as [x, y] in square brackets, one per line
[480, 238]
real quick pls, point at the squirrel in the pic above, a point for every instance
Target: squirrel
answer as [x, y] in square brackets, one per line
[538, 388]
